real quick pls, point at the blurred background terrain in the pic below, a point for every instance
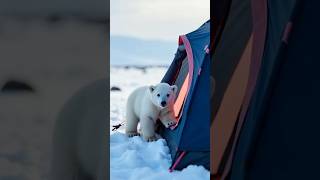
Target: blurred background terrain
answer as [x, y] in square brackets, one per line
[48, 51]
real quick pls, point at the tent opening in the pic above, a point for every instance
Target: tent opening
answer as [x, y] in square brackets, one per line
[182, 82]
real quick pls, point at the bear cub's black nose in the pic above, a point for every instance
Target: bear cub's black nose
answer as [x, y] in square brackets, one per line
[163, 103]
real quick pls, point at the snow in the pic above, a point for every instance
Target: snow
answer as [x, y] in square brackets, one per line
[134, 158]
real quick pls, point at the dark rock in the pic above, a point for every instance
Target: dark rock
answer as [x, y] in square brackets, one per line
[115, 88]
[16, 86]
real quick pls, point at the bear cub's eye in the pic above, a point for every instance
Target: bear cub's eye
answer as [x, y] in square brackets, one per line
[168, 95]
[158, 95]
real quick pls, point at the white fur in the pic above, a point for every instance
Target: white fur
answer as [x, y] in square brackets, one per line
[144, 105]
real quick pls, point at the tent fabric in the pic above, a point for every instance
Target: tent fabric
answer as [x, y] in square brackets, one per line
[269, 50]
[229, 109]
[191, 135]
[219, 14]
[229, 49]
[175, 67]
[297, 56]
[279, 135]
[226, 59]
[259, 18]
[181, 97]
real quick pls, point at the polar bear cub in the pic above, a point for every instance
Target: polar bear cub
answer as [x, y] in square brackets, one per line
[146, 105]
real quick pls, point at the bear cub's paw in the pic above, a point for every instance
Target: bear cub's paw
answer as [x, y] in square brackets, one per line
[150, 139]
[132, 134]
[168, 122]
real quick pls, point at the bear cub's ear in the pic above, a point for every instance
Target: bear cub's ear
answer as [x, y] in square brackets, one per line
[151, 88]
[174, 88]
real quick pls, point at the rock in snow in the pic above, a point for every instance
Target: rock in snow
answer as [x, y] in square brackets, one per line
[115, 88]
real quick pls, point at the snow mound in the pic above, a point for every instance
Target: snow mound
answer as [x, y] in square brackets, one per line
[136, 159]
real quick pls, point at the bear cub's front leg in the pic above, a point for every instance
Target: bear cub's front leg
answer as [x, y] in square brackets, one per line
[131, 123]
[148, 128]
[167, 117]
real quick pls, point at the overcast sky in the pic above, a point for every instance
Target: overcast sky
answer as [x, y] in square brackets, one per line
[157, 19]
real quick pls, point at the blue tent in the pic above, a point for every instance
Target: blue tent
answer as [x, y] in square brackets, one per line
[189, 140]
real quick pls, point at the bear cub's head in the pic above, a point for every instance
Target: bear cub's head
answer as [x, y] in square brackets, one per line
[163, 95]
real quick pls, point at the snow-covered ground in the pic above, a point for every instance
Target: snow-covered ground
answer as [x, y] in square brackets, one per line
[133, 158]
